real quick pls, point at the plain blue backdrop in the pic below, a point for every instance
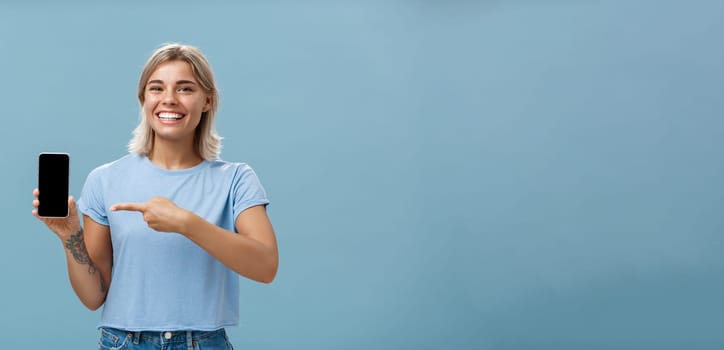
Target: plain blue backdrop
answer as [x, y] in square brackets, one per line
[443, 174]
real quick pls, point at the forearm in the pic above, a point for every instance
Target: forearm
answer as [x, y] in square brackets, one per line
[243, 254]
[86, 278]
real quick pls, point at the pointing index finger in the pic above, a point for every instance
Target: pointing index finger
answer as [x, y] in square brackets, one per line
[140, 207]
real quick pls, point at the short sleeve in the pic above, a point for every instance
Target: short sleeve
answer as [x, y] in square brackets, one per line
[247, 190]
[91, 198]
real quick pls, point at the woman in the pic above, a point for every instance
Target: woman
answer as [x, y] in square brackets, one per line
[168, 228]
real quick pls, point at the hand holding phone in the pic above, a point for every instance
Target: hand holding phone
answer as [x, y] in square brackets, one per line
[53, 183]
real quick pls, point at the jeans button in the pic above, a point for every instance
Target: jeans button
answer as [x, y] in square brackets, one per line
[167, 335]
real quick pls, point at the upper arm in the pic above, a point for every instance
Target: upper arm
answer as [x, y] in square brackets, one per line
[254, 223]
[98, 243]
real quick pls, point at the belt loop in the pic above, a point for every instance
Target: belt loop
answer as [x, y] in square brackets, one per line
[136, 337]
[189, 341]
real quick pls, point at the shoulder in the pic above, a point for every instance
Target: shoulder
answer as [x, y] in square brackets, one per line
[241, 174]
[108, 169]
[245, 186]
[229, 167]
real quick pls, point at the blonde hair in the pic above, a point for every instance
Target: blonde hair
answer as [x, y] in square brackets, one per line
[206, 141]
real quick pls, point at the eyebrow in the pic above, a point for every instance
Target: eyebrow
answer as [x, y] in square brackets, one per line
[179, 82]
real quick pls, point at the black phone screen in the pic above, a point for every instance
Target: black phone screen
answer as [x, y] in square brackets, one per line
[53, 174]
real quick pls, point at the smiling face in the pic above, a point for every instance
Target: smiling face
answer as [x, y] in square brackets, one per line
[174, 101]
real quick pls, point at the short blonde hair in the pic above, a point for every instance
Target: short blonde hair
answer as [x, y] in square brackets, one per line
[206, 141]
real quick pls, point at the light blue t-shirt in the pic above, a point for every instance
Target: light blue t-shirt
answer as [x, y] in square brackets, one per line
[164, 281]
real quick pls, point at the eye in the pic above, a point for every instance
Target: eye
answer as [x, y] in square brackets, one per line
[185, 89]
[154, 88]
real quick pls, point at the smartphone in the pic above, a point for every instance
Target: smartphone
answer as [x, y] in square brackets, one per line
[53, 181]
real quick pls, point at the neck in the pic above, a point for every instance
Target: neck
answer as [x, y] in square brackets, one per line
[173, 156]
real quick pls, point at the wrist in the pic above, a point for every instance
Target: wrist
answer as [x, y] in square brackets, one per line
[66, 237]
[186, 222]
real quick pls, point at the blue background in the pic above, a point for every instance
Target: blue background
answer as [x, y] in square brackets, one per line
[460, 174]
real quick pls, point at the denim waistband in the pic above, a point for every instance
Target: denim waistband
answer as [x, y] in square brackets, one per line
[165, 337]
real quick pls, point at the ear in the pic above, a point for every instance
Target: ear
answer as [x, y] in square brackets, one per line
[207, 105]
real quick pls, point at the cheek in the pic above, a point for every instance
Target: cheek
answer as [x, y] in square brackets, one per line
[198, 108]
[147, 109]
[150, 102]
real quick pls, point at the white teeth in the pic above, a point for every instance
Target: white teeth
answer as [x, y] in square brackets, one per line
[170, 116]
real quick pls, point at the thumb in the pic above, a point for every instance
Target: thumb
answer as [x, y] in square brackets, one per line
[71, 204]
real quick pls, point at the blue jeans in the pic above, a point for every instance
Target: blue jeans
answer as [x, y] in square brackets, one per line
[116, 339]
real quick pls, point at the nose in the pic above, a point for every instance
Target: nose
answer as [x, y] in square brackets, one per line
[169, 97]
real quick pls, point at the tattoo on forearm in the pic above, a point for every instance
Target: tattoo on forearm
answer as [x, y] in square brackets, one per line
[76, 245]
